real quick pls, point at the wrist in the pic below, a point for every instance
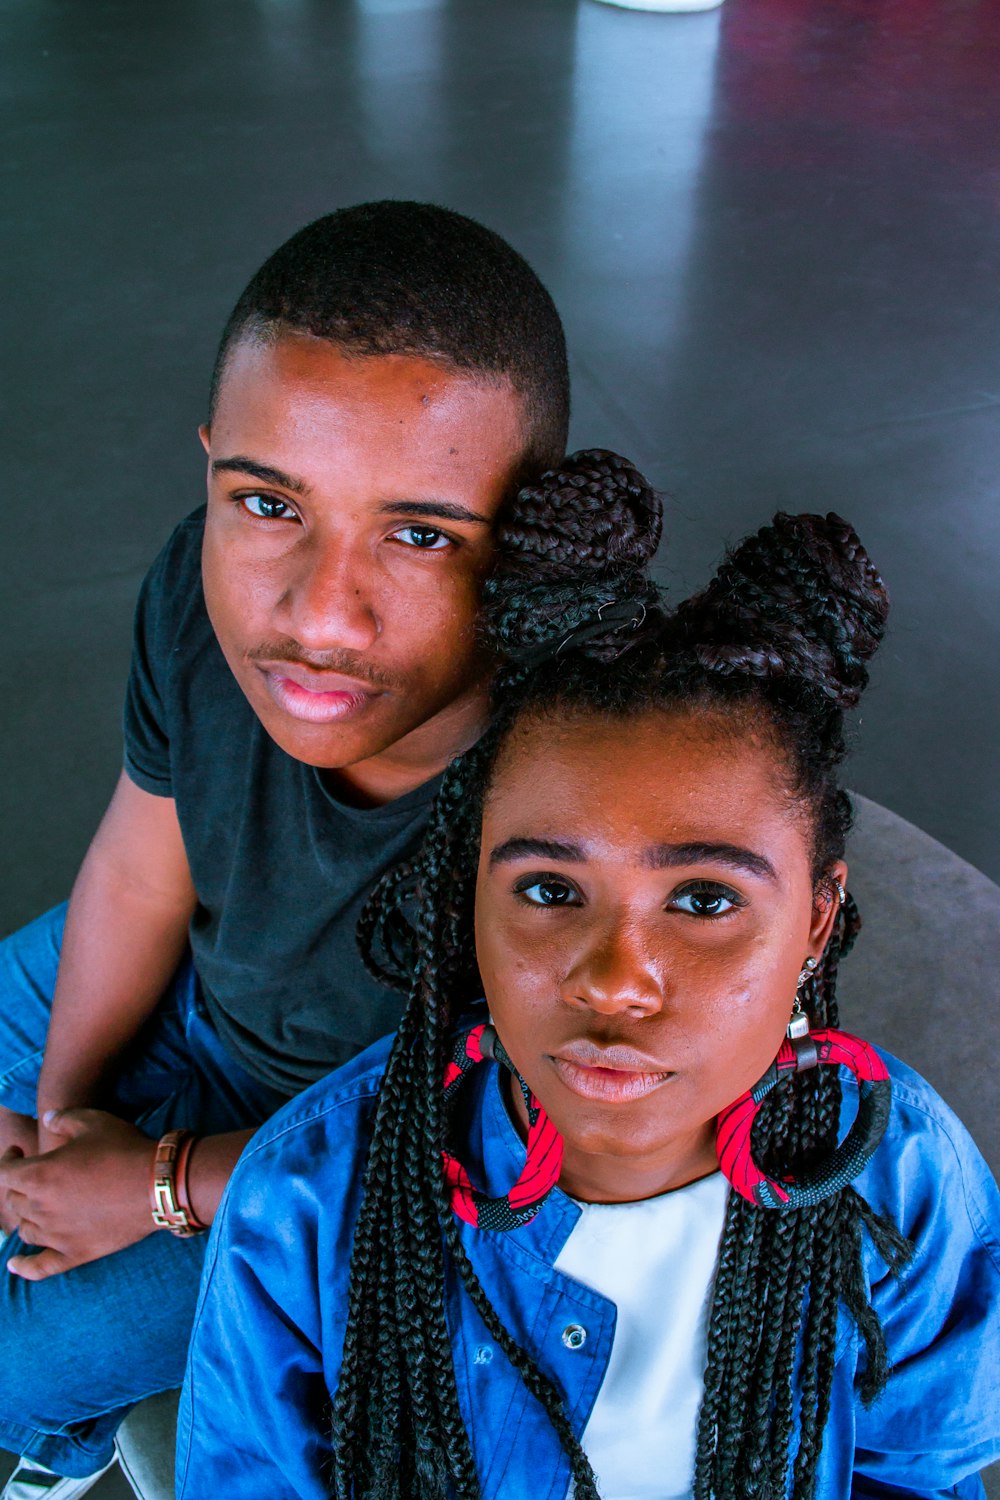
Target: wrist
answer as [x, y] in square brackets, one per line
[169, 1192]
[64, 1093]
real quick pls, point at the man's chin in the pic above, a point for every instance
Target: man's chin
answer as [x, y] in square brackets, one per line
[330, 746]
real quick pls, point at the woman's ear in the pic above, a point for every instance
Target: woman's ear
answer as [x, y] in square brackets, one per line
[826, 907]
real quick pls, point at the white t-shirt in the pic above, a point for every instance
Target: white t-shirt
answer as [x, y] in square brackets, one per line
[655, 1260]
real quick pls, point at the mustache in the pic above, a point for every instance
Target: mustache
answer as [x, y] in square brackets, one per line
[348, 663]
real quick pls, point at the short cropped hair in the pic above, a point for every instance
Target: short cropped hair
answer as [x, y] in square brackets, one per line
[395, 277]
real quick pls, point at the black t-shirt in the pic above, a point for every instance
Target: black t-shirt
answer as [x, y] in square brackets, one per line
[281, 867]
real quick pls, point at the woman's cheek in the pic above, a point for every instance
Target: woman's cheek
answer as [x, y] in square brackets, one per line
[509, 973]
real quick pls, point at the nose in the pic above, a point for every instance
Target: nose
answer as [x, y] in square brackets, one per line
[616, 972]
[328, 600]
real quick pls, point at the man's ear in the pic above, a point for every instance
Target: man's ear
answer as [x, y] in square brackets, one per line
[826, 908]
[205, 435]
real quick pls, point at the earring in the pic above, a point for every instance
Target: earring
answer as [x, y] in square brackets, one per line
[734, 1146]
[841, 893]
[545, 1146]
[797, 1030]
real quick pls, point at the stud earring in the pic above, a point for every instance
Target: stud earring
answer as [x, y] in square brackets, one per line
[806, 972]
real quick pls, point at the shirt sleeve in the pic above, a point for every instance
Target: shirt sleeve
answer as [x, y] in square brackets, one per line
[255, 1409]
[147, 740]
[144, 720]
[938, 1421]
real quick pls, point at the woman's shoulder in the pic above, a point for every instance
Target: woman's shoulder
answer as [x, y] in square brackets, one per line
[928, 1175]
[309, 1158]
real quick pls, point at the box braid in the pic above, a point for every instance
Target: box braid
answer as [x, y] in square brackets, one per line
[782, 634]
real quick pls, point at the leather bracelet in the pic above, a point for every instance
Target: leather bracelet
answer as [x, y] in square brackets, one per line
[182, 1183]
[168, 1194]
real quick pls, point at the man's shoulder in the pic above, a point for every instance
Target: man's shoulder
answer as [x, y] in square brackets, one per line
[171, 604]
[182, 549]
[173, 580]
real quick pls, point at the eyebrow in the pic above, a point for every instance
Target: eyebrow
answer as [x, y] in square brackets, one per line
[239, 464]
[669, 856]
[655, 857]
[443, 510]
[521, 848]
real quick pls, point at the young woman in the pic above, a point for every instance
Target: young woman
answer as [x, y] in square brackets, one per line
[502, 1260]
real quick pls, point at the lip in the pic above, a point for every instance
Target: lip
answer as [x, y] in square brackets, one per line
[315, 697]
[615, 1074]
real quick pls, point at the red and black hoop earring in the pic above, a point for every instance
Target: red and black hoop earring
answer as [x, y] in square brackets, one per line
[800, 1050]
[545, 1147]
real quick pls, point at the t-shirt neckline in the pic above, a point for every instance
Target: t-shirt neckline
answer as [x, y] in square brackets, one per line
[409, 802]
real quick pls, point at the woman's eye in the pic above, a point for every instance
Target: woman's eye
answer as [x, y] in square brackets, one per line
[706, 898]
[547, 892]
[427, 538]
[266, 507]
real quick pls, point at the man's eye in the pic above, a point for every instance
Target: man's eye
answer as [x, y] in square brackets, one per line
[267, 507]
[547, 892]
[706, 898]
[427, 538]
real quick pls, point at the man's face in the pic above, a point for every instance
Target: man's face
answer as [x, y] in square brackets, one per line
[350, 516]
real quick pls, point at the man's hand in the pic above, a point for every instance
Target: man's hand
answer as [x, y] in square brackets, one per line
[18, 1137]
[85, 1198]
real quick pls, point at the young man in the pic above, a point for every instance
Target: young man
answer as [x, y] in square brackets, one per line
[305, 665]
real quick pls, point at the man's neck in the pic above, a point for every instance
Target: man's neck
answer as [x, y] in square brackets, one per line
[415, 759]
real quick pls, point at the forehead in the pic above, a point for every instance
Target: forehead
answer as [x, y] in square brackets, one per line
[619, 785]
[300, 395]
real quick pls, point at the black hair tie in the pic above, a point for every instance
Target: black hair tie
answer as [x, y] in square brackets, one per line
[615, 615]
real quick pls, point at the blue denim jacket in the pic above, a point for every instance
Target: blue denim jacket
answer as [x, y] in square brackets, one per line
[270, 1323]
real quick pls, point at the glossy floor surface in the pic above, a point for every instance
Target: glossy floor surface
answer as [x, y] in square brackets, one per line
[773, 231]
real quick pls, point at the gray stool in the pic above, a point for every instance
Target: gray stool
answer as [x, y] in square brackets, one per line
[145, 1446]
[921, 982]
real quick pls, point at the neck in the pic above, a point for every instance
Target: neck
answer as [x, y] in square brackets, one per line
[594, 1178]
[417, 757]
[605, 1177]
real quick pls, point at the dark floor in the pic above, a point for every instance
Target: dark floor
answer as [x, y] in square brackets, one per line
[773, 231]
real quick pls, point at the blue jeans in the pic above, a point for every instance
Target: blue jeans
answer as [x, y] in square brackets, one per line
[78, 1350]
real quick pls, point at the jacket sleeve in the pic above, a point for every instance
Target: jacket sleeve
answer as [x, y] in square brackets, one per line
[254, 1412]
[938, 1421]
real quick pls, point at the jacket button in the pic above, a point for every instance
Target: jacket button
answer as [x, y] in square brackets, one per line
[574, 1335]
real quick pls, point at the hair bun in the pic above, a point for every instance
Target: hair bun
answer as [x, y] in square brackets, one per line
[801, 599]
[572, 551]
[595, 512]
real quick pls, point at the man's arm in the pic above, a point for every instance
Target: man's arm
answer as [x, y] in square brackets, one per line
[87, 1193]
[126, 930]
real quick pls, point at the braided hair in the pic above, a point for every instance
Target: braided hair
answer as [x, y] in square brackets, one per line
[783, 632]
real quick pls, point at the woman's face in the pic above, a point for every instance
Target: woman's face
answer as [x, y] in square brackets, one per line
[644, 906]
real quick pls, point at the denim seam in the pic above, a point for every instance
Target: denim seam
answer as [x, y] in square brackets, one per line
[65, 1430]
[23, 1062]
[207, 1275]
[977, 1222]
